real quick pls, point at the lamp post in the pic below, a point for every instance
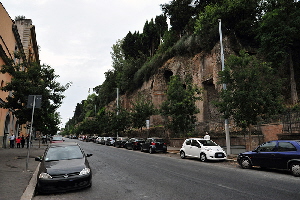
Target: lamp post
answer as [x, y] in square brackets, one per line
[117, 109]
[228, 151]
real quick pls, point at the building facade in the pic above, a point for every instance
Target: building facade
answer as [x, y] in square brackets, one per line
[15, 37]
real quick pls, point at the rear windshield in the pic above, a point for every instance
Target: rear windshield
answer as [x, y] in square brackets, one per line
[63, 153]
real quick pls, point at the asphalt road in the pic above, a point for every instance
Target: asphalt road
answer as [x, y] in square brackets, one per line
[126, 174]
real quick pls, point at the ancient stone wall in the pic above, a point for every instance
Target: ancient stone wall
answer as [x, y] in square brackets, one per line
[204, 69]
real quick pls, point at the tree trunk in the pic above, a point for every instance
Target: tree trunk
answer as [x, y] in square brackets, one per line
[250, 138]
[294, 94]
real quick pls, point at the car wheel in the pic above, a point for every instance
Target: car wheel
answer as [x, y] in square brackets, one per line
[151, 150]
[182, 154]
[245, 163]
[202, 157]
[295, 169]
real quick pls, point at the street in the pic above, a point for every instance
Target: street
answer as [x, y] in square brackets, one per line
[125, 174]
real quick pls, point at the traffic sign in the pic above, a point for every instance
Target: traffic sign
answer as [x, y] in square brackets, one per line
[34, 100]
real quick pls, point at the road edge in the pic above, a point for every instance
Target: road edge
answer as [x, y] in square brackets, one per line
[30, 189]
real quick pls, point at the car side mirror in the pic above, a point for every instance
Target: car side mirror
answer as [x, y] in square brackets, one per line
[198, 145]
[89, 155]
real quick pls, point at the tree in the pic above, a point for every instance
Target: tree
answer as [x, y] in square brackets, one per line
[180, 108]
[161, 25]
[118, 122]
[36, 79]
[90, 106]
[150, 37]
[239, 18]
[180, 13]
[105, 91]
[278, 35]
[252, 91]
[141, 111]
[89, 126]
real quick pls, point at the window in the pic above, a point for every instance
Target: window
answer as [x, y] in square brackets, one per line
[188, 142]
[286, 146]
[207, 143]
[195, 143]
[267, 147]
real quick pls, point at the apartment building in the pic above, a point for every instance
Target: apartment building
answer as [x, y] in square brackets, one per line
[15, 36]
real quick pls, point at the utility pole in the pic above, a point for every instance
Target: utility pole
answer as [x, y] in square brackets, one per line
[228, 148]
[117, 109]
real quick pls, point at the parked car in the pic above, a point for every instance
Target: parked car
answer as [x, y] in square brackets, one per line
[278, 154]
[103, 140]
[73, 137]
[57, 139]
[203, 149]
[89, 139]
[134, 143]
[98, 140]
[153, 145]
[120, 142]
[110, 141]
[63, 167]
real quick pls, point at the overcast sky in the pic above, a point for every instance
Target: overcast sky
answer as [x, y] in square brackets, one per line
[76, 36]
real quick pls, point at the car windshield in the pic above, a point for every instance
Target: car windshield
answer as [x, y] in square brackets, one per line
[63, 153]
[207, 143]
[158, 140]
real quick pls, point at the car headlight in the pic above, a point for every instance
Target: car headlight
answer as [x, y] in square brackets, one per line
[44, 176]
[85, 171]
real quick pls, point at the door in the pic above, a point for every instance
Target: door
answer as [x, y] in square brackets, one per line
[187, 147]
[195, 149]
[285, 152]
[264, 155]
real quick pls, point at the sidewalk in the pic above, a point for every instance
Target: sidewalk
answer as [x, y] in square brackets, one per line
[14, 177]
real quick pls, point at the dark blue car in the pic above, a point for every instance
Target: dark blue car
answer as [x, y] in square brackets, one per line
[279, 154]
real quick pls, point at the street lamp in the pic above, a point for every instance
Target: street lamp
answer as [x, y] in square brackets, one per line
[224, 87]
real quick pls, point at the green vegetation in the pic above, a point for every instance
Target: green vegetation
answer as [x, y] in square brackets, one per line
[180, 109]
[249, 94]
[141, 111]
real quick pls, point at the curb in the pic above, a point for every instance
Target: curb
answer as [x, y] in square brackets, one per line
[30, 189]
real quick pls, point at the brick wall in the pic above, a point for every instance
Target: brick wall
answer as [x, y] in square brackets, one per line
[271, 131]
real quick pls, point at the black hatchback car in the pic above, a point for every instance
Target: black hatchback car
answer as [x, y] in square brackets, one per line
[153, 145]
[63, 167]
[278, 154]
